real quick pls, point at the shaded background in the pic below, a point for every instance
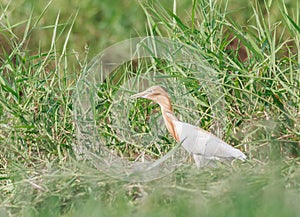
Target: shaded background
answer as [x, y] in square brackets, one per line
[99, 24]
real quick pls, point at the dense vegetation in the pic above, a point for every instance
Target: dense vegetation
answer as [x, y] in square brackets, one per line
[254, 46]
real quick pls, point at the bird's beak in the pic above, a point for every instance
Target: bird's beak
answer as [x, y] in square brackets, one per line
[138, 95]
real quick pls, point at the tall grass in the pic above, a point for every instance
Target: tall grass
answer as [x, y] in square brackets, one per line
[257, 61]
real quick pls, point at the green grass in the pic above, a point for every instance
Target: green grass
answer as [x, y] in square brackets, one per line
[43, 52]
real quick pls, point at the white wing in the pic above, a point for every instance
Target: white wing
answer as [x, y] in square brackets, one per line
[201, 142]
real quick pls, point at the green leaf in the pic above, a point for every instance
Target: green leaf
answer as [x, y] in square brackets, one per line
[293, 22]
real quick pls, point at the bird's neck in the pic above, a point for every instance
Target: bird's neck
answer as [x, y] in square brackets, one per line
[169, 118]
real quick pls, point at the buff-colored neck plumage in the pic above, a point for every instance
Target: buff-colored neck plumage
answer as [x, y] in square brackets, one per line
[167, 112]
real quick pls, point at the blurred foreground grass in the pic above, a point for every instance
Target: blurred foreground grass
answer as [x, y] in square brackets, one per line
[44, 51]
[76, 190]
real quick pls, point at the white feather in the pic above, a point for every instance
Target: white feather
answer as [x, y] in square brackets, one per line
[203, 145]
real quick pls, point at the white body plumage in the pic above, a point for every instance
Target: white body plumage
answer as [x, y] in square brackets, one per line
[205, 147]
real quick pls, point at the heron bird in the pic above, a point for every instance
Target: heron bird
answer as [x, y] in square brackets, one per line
[205, 147]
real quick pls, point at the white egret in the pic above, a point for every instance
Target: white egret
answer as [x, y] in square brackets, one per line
[205, 147]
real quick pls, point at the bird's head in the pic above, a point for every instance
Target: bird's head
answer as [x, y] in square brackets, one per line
[154, 93]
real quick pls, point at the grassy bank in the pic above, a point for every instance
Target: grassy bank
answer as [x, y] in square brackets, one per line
[255, 50]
